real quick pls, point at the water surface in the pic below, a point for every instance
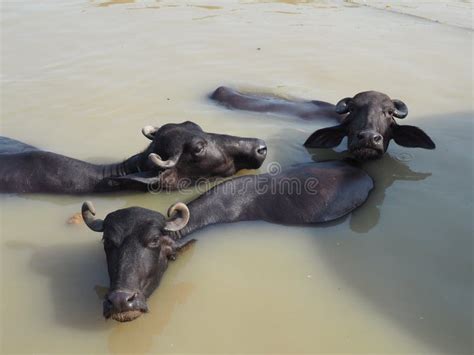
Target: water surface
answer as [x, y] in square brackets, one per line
[82, 77]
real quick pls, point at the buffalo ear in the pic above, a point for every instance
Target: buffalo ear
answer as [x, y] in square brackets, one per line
[177, 247]
[411, 136]
[182, 246]
[326, 137]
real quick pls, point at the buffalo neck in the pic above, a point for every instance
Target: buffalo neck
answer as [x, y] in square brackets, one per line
[200, 216]
[220, 205]
[47, 172]
[134, 164]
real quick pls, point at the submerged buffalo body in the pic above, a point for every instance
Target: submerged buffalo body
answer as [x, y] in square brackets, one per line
[367, 120]
[303, 194]
[139, 242]
[178, 155]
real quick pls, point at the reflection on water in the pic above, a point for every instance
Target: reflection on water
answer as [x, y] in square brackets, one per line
[411, 251]
[385, 172]
[162, 306]
[72, 295]
[71, 272]
[149, 325]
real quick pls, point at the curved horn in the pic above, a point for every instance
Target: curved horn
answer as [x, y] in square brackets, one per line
[156, 159]
[401, 110]
[149, 131]
[343, 105]
[88, 213]
[177, 221]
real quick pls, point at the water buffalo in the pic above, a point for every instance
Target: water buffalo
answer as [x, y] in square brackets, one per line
[178, 155]
[367, 119]
[139, 242]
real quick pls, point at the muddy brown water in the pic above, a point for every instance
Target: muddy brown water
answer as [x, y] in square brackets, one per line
[82, 77]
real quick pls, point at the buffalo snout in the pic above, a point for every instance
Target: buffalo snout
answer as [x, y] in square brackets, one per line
[261, 150]
[367, 144]
[258, 153]
[124, 306]
[370, 139]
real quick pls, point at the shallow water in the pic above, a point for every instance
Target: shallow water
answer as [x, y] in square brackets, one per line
[82, 77]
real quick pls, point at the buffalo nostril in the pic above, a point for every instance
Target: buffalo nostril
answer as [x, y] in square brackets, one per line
[262, 150]
[377, 138]
[132, 298]
[108, 303]
[360, 135]
[121, 300]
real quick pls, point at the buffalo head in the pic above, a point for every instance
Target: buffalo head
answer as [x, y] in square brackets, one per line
[138, 245]
[369, 125]
[180, 154]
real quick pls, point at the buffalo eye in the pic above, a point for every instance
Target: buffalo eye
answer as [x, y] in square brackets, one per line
[389, 112]
[198, 149]
[153, 242]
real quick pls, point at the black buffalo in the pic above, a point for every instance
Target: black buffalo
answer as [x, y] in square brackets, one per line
[139, 242]
[178, 155]
[368, 120]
